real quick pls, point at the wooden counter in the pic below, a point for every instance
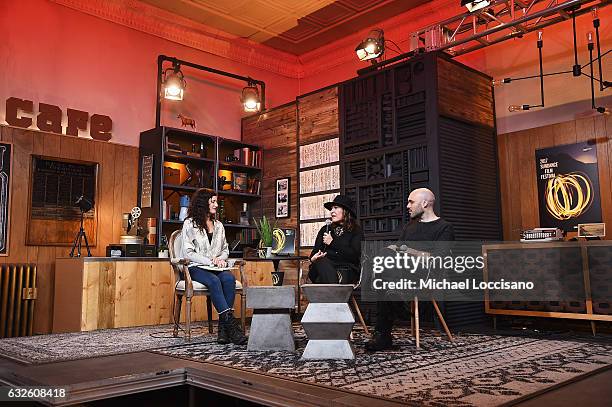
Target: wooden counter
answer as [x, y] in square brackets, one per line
[101, 292]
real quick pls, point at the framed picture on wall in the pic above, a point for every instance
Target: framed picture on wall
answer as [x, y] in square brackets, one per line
[6, 163]
[57, 186]
[283, 194]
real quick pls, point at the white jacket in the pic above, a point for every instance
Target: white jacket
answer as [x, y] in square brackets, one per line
[196, 247]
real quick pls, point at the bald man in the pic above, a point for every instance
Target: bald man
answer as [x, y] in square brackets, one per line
[424, 226]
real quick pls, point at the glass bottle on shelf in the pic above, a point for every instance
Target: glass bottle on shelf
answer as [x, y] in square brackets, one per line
[203, 152]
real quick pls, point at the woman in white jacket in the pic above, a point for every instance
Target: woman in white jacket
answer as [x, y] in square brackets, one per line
[204, 244]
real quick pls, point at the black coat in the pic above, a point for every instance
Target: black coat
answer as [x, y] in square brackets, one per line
[344, 249]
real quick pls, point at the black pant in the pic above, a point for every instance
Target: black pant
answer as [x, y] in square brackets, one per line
[387, 312]
[325, 271]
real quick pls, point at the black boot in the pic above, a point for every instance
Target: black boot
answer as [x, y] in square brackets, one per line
[380, 341]
[222, 337]
[232, 328]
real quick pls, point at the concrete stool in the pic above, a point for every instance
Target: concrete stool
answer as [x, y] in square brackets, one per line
[271, 323]
[328, 321]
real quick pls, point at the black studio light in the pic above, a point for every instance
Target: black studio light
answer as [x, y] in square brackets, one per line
[473, 5]
[372, 47]
[85, 205]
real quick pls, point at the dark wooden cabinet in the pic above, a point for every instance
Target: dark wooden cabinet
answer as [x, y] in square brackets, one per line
[426, 122]
[181, 161]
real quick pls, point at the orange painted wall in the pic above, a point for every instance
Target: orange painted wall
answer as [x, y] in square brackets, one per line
[53, 54]
[567, 98]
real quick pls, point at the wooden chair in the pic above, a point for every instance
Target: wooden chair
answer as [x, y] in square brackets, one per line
[414, 321]
[185, 287]
[356, 305]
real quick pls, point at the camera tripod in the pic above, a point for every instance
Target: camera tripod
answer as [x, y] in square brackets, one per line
[77, 240]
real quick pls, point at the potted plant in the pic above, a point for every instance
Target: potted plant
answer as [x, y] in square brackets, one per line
[264, 228]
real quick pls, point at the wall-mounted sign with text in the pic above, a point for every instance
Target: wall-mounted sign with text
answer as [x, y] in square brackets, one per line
[568, 185]
[20, 113]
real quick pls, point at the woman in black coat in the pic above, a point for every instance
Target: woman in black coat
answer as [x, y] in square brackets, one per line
[336, 255]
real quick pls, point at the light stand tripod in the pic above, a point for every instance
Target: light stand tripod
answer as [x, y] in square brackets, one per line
[84, 205]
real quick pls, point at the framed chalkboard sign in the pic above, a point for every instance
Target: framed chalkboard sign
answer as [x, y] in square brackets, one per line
[6, 164]
[55, 188]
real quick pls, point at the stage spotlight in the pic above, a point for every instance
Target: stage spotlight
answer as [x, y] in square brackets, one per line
[473, 5]
[372, 47]
[250, 98]
[174, 83]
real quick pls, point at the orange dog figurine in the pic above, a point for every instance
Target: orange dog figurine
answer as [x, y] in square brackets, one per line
[187, 121]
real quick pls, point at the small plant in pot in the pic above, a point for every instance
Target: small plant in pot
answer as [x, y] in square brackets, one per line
[264, 228]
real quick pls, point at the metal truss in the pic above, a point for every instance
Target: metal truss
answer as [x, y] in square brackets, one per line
[500, 21]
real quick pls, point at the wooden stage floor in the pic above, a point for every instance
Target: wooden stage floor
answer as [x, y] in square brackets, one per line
[120, 375]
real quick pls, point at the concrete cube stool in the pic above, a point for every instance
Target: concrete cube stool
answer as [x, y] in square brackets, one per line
[271, 323]
[328, 321]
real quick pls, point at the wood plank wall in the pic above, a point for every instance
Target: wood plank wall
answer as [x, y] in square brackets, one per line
[318, 120]
[517, 169]
[116, 194]
[312, 118]
[464, 94]
[276, 131]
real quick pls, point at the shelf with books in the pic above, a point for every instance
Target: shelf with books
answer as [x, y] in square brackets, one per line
[236, 153]
[182, 188]
[239, 194]
[184, 143]
[172, 156]
[238, 167]
[179, 162]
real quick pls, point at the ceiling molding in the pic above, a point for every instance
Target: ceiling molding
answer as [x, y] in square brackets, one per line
[154, 21]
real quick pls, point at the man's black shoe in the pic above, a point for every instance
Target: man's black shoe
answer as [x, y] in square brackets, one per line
[379, 342]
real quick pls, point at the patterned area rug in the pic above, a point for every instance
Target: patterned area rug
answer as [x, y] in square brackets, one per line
[82, 345]
[475, 370]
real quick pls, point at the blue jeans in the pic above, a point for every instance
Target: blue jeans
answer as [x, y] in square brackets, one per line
[222, 286]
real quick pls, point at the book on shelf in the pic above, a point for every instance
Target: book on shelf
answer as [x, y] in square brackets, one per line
[173, 147]
[248, 236]
[254, 186]
[240, 182]
[248, 156]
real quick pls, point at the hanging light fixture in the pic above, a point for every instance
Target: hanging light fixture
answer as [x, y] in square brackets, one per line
[174, 83]
[576, 71]
[372, 47]
[250, 98]
[171, 85]
[473, 5]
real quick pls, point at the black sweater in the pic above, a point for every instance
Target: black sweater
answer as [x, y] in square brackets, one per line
[437, 230]
[344, 249]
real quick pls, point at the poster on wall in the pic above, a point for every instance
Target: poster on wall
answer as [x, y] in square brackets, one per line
[568, 185]
[57, 188]
[6, 155]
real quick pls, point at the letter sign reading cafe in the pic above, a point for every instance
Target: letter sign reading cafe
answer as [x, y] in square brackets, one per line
[49, 118]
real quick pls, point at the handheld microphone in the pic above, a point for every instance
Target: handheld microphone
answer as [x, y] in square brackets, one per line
[327, 223]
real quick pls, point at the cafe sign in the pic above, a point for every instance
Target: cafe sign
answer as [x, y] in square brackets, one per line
[20, 113]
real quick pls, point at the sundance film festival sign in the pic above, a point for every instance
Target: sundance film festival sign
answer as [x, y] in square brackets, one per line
[20, 113]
